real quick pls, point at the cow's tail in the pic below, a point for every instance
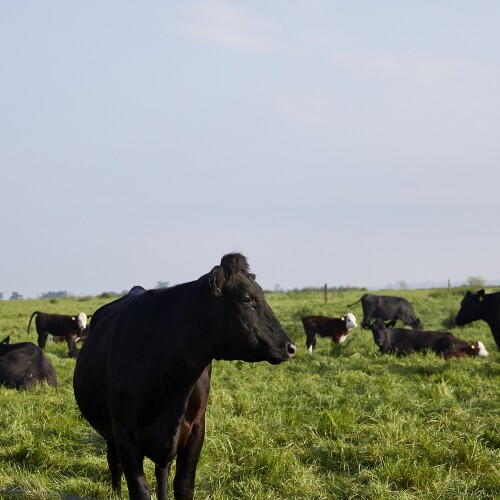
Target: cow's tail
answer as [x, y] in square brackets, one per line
[350, 305]
[29, 324]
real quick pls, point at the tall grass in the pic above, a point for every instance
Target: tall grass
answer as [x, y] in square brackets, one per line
[340, 423]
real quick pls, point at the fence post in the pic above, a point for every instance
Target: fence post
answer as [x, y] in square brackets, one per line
[326, 293]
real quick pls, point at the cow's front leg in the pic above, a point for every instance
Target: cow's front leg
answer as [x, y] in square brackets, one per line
[187, 460]
[162, 474]
[132, 462]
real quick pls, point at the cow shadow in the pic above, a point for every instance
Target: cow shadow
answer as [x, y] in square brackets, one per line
[337, 350]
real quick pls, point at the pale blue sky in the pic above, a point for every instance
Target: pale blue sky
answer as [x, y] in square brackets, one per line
[348, 143]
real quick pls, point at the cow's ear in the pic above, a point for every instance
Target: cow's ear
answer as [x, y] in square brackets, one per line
[252, 276]
[216, 280]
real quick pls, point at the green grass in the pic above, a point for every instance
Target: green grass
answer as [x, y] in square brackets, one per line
[341, 423]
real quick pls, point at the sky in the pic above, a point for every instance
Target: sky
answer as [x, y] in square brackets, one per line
[346, 143]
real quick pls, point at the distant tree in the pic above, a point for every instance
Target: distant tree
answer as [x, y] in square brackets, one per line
[15, 296]
[402, 284]
[1, 295]
[54, 295]
[476, 281]
[277, 288]
[162, 284]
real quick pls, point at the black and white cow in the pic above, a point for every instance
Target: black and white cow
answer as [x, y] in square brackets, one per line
[387, 308]
[58, 325]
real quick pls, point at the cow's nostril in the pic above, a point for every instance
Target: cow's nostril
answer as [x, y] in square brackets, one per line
[292, 349]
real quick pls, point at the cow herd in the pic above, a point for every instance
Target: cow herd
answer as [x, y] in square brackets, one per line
[142, 376]
[380, 314]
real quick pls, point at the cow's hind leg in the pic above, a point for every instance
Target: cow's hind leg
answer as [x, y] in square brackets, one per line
[42, 339]
[115, 466]
[187, 460]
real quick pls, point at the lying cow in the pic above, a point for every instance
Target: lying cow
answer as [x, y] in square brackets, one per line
[24, 365]
[474, 349]
[142, 377]
[402, 341]
[480, 305]
[335, 328]
[58, 325]
[387, 308]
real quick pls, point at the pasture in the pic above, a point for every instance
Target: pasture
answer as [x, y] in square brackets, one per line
[342, 423]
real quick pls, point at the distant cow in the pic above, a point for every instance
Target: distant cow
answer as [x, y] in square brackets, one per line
[24, 365]
[142, 377]
[480, 305]
[474, 349]
[402, 341]
[58, 325]
[335, 328]
[387, 308]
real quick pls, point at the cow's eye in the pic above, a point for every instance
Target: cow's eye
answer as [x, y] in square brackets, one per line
[247, 300]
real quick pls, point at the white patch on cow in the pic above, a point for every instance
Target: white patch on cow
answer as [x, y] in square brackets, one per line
[350, 321]
[310, 349]
[482, 350]
[81, 319]
[341, 339]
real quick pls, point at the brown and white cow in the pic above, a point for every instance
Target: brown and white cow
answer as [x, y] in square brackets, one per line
[335, 328]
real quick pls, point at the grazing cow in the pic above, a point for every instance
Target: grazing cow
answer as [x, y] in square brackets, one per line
[387, 308]
[335, 328]
[24, 365]
[480, 305]
[142, 377]
[58, 325]
[402, 341]
[475, 348]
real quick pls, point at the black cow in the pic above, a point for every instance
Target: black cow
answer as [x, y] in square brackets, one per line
[142, 377]
[24, 365]
[58, 325]
[481, 305]
[387, 308]
[402, 341]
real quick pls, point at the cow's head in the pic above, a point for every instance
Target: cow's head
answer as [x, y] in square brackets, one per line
[350, 321]
[81, 320]
[471, 308]
[379, 333]
[478, 348]
[247, 328]
[416, 324]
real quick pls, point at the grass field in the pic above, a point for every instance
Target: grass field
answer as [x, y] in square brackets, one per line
[341, 423]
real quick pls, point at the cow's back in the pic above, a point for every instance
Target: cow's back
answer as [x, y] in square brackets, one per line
[91, 375]
[24, 365]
